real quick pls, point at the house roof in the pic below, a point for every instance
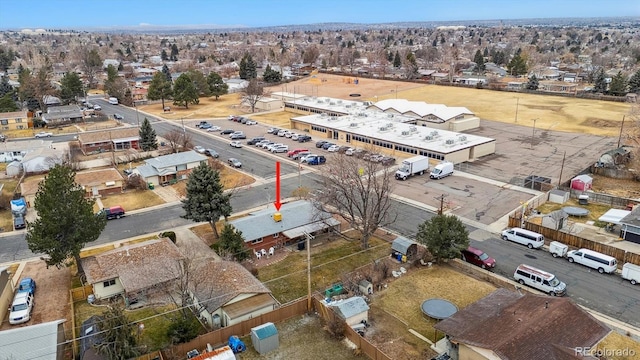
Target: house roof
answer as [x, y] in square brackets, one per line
[218, 282]
[351, 307]
[524, 327]
[14, 115]
[30, 185]
[89, 336]
[31, 342]
[62, 115]
[633, 218]
[402, 244]
[294, 214]
[108, 135]
[25, 145]
[97, 177]
[176, 159]
[138, 266]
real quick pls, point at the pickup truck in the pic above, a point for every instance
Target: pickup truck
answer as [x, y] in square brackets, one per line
[43, 134]
[203, 125]
[114, 212]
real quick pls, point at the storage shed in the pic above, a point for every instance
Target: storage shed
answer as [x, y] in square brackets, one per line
[558, 196]
[353, 310]
[365, 287]
[405, 246]
[582, 182]
[555, 220]
[265, 338]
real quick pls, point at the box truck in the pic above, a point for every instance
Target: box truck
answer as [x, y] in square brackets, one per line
[631, 272]
[412, 166]
[113, 101]
[441, 170]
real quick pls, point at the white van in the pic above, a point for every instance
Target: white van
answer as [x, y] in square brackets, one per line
[539, 279]
[593, 259]
[113, 101]
[631, 272]
[533, 240]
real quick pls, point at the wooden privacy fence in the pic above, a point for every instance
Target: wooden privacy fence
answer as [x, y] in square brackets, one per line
[577, 242]
[81, 293]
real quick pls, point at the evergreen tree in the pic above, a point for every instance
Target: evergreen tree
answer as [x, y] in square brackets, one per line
[163, 55]
[199, 81]
[206, 199]
[600, 82]
[148, 140]
[5, 87]
[248, 68]
[6, 58]
[167, 73]
[184, 92]
[231, 243]
[444, 236]
[397, 61]
[159, 88]
[618, 86]
[479, 60]
[533, 83]
[118, 339]
[174, 52]
[8, 103]
[65, 222]
[217, 86]
[518, 65]
[271, 76]
[70, 87]
[634, 83]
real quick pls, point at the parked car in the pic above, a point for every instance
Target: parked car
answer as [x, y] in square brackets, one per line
[388, 160]
[316, 160]
[295, 137]
[289, 135]
[203, 125]
[272, 131]
[269, 147]
[304, 138]
[231, 117]
[280, 149]
[320, 143]
[212, 153]
[27, 285]
[20, 311]
[283, 133]
[97, 107]
[3, 138]
[262, 142]
[303, 159]
[265, 145]
[360, 153]
[237, 136]
[236, 144]
[18, 222]
[227, 132]
[478, 257]
[118, 116]
[333, 148]
[255, 140]
[214, 128]
[327, 145]
[251, 122]
[295, 151]
[114, 212]
[300, 155]
[43, 134]
[234, 163]
[199, 149]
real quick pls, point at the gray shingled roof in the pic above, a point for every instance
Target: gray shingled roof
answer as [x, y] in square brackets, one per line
[176, 159]
[31, 342]
[294, 214]
[524, 327]
[351, 307]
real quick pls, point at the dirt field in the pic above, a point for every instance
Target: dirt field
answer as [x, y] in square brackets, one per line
[51, 300]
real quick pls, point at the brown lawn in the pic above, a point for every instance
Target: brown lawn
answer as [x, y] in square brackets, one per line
[133, 199]
[207, 108]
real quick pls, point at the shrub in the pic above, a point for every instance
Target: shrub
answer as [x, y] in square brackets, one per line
[170, 234]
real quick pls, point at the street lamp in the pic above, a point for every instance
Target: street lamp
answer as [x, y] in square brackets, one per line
[534, 132]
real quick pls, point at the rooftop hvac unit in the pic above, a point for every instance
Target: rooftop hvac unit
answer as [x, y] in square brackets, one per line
[428, 137]
[434, 133]
[412, 129]
[332, 103]
[450, 142]
[353, 125]
[390, 115]
[339, 101]
[320, 101]
[406, 133]
[389, 125]
[323, 115]
[462, 138]
[333, 118]
[348, 106]
[382, 128]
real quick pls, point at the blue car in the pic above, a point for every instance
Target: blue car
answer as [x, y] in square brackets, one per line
[27, 285]
[316, 160]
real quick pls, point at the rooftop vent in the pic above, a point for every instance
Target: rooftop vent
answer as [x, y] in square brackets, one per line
[450, 141]
[405, 133]
[428, 137]
[353, 125]
[434, 133]
[462, 138]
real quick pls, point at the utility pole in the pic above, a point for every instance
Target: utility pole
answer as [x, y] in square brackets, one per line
[533, 133]
[621, 126]
[308, 272]
[561, 168]
[441, 208]
[517, 101]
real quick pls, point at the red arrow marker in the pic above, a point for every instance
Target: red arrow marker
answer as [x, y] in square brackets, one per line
[277, 202]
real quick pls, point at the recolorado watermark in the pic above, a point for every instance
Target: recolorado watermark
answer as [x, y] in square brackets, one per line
[604, 352]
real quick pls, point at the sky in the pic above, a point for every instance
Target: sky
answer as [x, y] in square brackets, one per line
[56, 14]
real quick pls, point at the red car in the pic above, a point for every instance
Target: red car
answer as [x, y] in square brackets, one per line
[296, 151]
[478, 257]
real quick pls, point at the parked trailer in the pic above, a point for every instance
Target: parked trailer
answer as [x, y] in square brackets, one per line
[412, 166]
[558, 249]
[631, 272]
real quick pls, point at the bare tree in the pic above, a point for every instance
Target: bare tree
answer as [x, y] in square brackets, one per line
[178, 139]
[359, 191]
[253, 93]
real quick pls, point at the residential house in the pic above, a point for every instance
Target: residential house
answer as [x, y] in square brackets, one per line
[91, 334]
[29, 188]
[17, 120]
[17, 150]
[51, 101]
[109, 140]
[135, 270]
[169, 168]
[61, 115]
[630, 226]
[353, 310]
[101, 182]
[43, 341]
[264, 229]
[225, 293]
[512, 326]
[139, 94]
[41, 160]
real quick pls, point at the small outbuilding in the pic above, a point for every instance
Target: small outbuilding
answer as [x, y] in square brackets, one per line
[265, 338]
[365, 287]
[405, 247]
[582, 182]
[555, 220]
[558, 196]
[353, 310]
